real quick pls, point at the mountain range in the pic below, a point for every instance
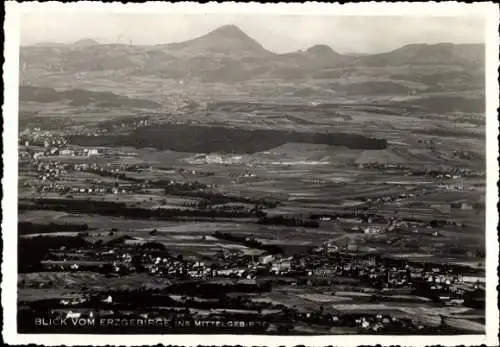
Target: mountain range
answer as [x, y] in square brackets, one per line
[227, 54]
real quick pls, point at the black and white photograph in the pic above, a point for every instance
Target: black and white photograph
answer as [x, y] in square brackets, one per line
[248, 172]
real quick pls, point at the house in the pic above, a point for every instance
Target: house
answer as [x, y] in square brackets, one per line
[92, 151]
[73, 314]
[67, 152]
[108, 300]
[330, 247]
[372, 230]
[265, 259]
[466, 206]
[472, 279]
[281, 266]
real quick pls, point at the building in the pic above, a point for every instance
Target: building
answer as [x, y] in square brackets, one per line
[266, 259]
[330, 247]
[67, 152]
[466, 206]
[108, 300]
[73, 314]
[93, 151]
[372, 230]
[283, 265]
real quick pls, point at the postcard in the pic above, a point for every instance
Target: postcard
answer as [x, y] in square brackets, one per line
[250, 174]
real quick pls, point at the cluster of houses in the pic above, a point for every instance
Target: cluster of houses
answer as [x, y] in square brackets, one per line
[58, 152]
[244, 174]
[451, 187]
[73, 301]
[450, 173]
[180, 101]
[53, 145]
[233, 267]
[43, 143]
[42, 138]
[445, 284]
[325, 261]
[393, 197]
[394, 226]
[95, 168]
[379, 322]
[215, 159]
[378, 165]
[128, 124]
[93, 189]
[85, 130]
[85, 152]
[107, 189]
[449, 286]
[50, 171]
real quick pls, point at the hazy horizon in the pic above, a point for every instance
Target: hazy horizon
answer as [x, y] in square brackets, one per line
[288, 33]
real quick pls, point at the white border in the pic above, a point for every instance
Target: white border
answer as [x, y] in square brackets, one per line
[489, 11]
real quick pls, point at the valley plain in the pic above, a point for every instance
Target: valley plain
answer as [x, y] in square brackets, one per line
[220, 187]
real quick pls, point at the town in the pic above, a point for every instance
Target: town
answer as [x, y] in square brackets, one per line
[325, 267]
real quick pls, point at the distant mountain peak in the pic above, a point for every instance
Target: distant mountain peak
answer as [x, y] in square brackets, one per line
[227, 39]
[86, 42]
[320, 49]
[229, 30]
[429, 53]
[324, 56]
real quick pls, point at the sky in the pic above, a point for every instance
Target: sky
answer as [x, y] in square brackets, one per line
[277, 33]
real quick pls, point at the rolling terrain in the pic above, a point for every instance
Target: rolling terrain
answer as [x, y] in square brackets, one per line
[310, 192]
[228, 55]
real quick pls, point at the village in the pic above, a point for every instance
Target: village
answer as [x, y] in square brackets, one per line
[382, 280]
